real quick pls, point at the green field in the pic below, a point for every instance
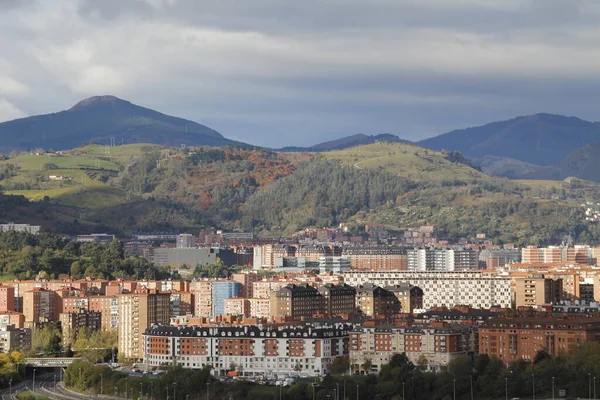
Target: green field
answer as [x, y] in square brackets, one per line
[37, 163]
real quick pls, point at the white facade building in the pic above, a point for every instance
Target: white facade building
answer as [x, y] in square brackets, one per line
[251, 350]
[475, 288]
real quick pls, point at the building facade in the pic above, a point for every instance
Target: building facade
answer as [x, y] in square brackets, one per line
[250, 350]
[475, 288]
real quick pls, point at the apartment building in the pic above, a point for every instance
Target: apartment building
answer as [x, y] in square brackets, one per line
[264, 256]
[72, 322]
[296, 301]
[498, 258]
[338, 299]
[40, 305]
[259, 308]
[478, 289]
[7, 298]
[12, 318]
[137, 312]
[224, 290]
[441, 259]
[376, 258]
[247, 281]
[236, 306]
[181, 303]
[13, 338]
[253, 350]
[374, 300]
[536, 290]
[512, 339]
[409, 296]
[203, 297]
[435, 345]
[263, 289]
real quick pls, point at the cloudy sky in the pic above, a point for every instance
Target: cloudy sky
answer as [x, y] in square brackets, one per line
[280, 72]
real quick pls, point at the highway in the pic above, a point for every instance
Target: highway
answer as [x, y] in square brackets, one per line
[45, 387]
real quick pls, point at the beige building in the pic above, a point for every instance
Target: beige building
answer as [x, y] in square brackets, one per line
[373, 300]
[203, 297]
[537, 290]
[296, 301]
[260, 308]
[137, 312]
[236, 306]
[409, 296]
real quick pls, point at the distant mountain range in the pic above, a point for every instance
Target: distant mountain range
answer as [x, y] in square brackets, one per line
[98, 119]
[542, 139]
[540, 146]
[348, 141]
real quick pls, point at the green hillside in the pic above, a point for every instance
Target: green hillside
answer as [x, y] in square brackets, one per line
[149, 187]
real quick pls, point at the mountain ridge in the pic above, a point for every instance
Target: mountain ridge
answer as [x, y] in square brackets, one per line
[543, 139]
[100, 118]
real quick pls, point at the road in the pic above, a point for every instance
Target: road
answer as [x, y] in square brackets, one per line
[45, 386]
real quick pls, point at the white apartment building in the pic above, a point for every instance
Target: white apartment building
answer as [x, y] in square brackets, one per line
[475, 288]
[250, 350]
[441, 259]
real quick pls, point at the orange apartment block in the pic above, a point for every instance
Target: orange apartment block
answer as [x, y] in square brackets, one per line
[7, 298]
[12, 318]
[377, 258]
[512, 339]
[40, 305]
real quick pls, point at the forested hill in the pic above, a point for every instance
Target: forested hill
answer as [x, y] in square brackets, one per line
[147, 187]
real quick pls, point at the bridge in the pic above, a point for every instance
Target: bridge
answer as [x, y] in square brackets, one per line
[50, 362]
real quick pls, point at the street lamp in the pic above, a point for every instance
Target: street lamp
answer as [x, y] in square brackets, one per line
[471, 382]
[454, 389]
[33, 380]
[506, 387]
[403, 392]
[101, 384]
[552, 388]
[594, 388]
[207, 390]
[589, 385]
[533, 385]
[357, 392]
[174, 390]
[55, 382]
[10, 388]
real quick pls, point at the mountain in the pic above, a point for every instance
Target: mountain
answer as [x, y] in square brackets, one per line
[508, 167]
[542, 139]
[99, 118]
[348, 141]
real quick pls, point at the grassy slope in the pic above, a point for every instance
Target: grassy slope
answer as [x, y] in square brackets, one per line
[472, 207]
[412, 162]
[82, 165]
